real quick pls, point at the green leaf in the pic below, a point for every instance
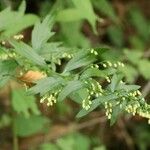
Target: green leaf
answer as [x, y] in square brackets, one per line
[42, 32]
[7, 67]
[82, 58]
[115, 113]
[106, 8]
[23, 103]
[27, 52]
[48, 146]
[129, 72]
[69, 88]
[115, 82]
[94, 72]
[133, 56]
[128, 87]
[22, 7]
[86, 10]
[28, 126]
[22, 23]
[7, 70]
[66, 15]
[144, 66]
[96, 103]
[46, 84]
[139, 22]
[116, 36]
[79, 95]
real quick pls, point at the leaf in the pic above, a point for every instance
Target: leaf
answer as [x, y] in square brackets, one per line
[138, 20]
[48, 146]
[129, 72]
[133, 56]
[106, 8]
[42, 32]
[115, 82]
[12, 22]
[22, 7]
[116, 36]
[46, 84]
[27, 52]
[128, 87]
[74, 141]
[69, 88]
[144, 66]
[7, 70]
[66, 15]
[82, 58]
[94, 72]
[96, 103]
[23, 103]
[79, 95]
[86, 10]
[22, 23]
[7, 67]
[28, 126]
[115, 113]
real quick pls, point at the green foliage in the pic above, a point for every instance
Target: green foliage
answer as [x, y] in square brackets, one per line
[93, 78]
[28, 126]
[73, 141]
[23, 103]
[12, 22]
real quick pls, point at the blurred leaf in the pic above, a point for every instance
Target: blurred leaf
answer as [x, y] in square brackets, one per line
[106, 8]
[22, 23]
[69, 88]
[100, 148]
[5, 120]
[82, 10]
[133, 56]
[27, 52]
[22, 7]
[48, 146]
[139, 22]
[144, 66]
[130, 72]
[23, 103]
[85, 9]
[7, 69]
[12, 22]
[77, 37]
[116, 35]
[66, 15]
[74, 142]
[28, 126]
[42, 32]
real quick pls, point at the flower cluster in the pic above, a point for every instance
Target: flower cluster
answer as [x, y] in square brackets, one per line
[51, 98]
[86, 103]
[94, 52]
[108, 107]
[115, 65]
[5, 56]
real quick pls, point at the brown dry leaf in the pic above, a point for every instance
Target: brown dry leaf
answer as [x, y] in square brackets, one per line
[32, 76]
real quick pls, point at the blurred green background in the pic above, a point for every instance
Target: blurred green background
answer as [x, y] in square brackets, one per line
[121, 25]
